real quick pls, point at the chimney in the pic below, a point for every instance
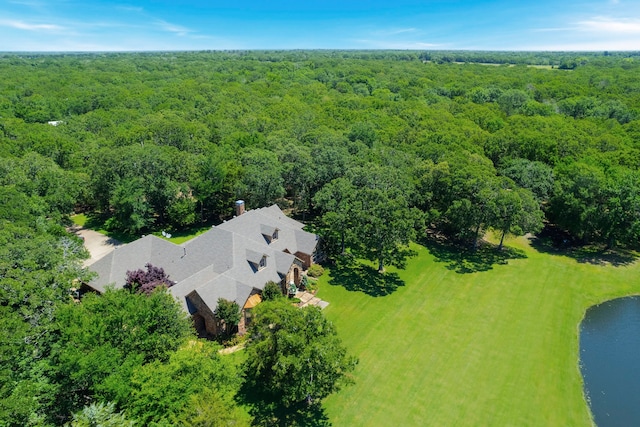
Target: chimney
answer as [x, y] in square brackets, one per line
[239, 207]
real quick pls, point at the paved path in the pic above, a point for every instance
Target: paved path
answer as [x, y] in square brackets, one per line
[96, 243]
[307, 298]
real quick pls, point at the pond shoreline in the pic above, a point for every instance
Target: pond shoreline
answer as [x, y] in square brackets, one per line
[609, 345]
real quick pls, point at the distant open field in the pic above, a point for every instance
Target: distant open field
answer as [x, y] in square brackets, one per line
[489, 348]
[493, 64]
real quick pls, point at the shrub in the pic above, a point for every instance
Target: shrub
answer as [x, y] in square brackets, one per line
[146, 281]
[315, 270]
[312, 285]
[271, 291]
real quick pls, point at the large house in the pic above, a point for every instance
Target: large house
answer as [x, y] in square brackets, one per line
[233, 260]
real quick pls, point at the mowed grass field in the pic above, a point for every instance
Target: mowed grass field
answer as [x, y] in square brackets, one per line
[490, 348]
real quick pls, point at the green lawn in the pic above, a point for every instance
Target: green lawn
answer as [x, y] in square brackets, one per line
[476, 343]
[177, 237]
[489, 348]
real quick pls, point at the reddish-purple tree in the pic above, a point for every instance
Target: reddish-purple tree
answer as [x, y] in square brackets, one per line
[146, 281]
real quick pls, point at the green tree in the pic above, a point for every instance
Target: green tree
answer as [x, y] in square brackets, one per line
[535, 176]
[100, 415]
[384, 226]
[598, 206]
[210, 408]
[299, 174]
[512, 100]
[217, 177]
[36, 175]
[131, 207]
[39, 264]
[262, 182]
[107, 337]
[271, 291]
[163, 391]
[621, 213]
[578, 202]
[517, 213]
[181, 211]
[467, 202]
[295, 354]
[228, 314]
[336, 200]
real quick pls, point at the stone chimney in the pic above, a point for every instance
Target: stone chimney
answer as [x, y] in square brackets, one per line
[239, 207]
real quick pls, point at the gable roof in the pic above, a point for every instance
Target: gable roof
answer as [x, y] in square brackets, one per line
[112, 268]
[221, 263]
[224, 287]
[257, 223]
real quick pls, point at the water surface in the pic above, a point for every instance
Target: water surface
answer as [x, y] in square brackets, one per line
[610, 361]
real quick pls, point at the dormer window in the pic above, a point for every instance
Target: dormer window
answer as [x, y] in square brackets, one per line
[269, 232]
[257, 260]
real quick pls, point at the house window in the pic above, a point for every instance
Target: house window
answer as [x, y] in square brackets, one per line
[263, 262]
[275, 235]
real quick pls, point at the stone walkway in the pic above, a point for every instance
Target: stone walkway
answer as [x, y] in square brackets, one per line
[307, 298]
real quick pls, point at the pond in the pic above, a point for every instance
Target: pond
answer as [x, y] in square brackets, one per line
[610, 361]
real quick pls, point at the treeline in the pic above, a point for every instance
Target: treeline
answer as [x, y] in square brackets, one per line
[171, 139]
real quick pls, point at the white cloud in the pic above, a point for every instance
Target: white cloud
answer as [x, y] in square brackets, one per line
[600, 24]
[386, 44]
[396, 31]
[21, 25]
[28, 3]
[613, 45]
[609, 25]
[172, 28]
[130, 9]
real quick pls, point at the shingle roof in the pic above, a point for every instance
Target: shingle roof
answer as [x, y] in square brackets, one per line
[224, 287]
[267, 230]
[218, 263]
[254, 223]
[113, 267]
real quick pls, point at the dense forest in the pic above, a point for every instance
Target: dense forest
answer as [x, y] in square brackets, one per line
[372, 148]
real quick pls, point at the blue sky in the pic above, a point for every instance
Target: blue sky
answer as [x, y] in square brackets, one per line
[71, 25]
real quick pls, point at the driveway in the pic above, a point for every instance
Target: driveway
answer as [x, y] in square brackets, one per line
[96, 243]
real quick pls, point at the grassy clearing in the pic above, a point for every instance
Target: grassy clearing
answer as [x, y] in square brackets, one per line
[94, 223]
[471, 346]
[543, 67]
[177, 237]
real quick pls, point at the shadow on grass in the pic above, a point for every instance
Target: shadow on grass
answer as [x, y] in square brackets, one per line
[554, 241]
[181, 236]
[95, 221]
[269, 414]
[356, 276]
[463, 260]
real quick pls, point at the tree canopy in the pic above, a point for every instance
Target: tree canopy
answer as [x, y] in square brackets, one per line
[295, 354]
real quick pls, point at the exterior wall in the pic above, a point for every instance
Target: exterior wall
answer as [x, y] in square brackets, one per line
[210, 322]
[318, 255]
[245, 316]
[294, 275]
[305, 258]
[243, 324]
